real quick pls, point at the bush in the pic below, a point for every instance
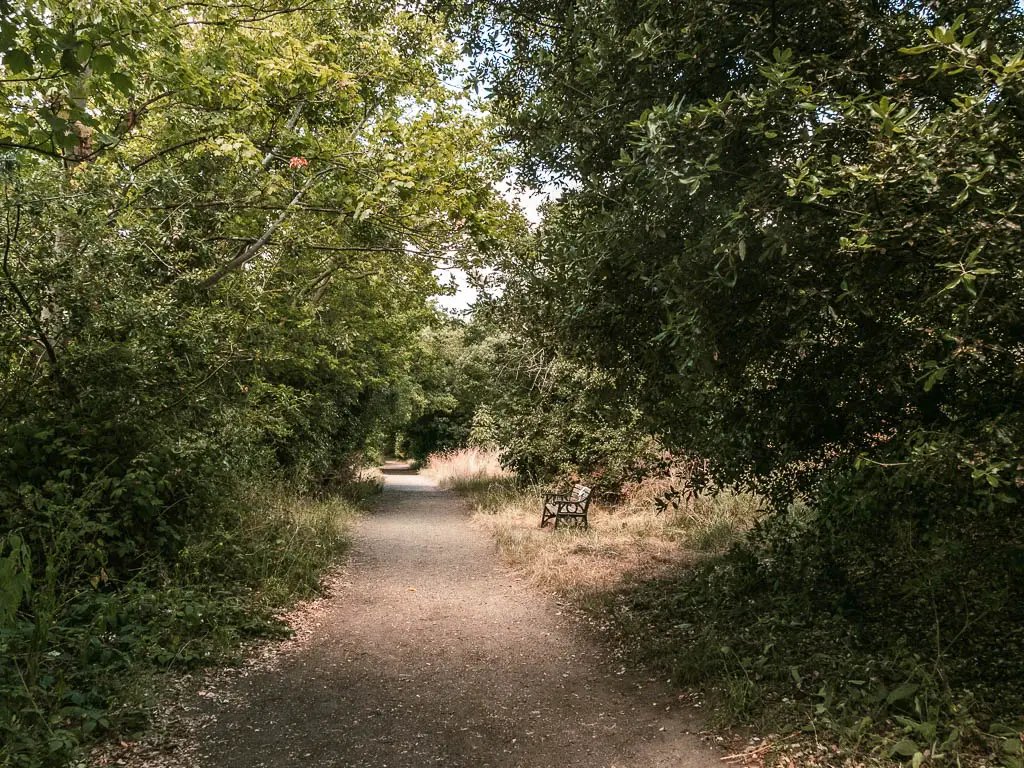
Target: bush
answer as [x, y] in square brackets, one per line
[73, 650]
[779, 636]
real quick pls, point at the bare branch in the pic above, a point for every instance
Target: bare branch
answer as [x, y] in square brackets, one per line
[9, 238]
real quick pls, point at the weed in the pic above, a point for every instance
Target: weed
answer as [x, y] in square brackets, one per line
[71, 659]
[766, 655]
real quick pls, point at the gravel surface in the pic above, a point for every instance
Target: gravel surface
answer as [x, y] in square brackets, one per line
[429, 652]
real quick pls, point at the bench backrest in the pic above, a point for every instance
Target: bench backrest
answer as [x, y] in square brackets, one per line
[579, 493]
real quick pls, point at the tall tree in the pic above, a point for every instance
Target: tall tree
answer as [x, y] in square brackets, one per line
[798, 226]
[795, 229]
[219, 230]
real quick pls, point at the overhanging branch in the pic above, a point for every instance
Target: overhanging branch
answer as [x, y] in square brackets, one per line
[248, 253]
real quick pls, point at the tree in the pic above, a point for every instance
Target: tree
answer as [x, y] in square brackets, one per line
[780, 226]
[450, 377]
[797, 230]
[219, 233]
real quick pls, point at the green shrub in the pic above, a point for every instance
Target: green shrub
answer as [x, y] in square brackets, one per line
[882, 658]
[555, 418]
[73, 649]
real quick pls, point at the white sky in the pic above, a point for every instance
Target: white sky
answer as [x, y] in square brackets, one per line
[464, 295]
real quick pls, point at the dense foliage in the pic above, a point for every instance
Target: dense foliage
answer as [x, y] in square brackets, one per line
[450, 376]
[555, 418]
[803, 235]
[472, 383]
[219, 228]
[795, 230]
[789, 244]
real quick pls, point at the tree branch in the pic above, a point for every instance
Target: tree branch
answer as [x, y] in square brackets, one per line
[168, 150]
[337, 248]
[320, 291]
[248, 253]
[251, 20]
[289, 126]
[30, 148]
[9, 238]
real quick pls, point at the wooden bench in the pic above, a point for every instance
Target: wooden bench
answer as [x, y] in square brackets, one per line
[567, 506]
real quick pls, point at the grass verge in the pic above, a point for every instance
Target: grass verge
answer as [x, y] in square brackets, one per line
[74, 662]
[626, 540]
[829, 686]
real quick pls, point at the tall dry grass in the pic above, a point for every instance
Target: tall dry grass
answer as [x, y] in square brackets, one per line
[291, 541]
[467, 469]
[626, 540]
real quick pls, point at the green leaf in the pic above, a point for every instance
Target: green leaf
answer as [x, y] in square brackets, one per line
[121, 81]
[904, 747]
[69, 61]
[102, 63]
[1012, 746]
[913, 51]
[18, 61]
[83, 51]
[904, 691]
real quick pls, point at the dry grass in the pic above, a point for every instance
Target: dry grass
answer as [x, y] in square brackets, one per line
[571, 560]
[371, 480]
[466, 469]
[630, 539]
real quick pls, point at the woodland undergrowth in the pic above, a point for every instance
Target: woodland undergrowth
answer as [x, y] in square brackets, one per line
[77, 663]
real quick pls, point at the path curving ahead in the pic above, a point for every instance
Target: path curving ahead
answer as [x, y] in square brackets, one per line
[432, 654]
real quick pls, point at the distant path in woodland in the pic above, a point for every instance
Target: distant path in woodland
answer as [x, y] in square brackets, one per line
[429, 652]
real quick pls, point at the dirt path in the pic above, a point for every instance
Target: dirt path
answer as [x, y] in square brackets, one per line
[432, 654]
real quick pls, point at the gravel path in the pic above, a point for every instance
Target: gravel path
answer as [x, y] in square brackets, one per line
[430, 653]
